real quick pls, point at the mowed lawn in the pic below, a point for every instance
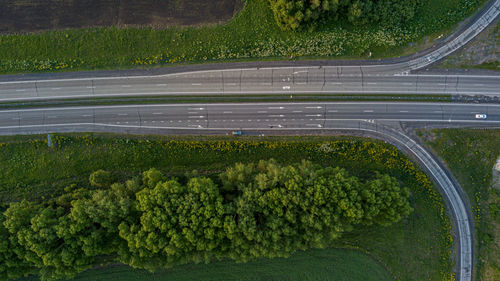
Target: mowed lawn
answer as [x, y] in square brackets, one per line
[417, 248]
[328, 264]
[252, 34]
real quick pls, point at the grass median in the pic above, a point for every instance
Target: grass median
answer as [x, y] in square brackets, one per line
[417, 248]
[251, 35]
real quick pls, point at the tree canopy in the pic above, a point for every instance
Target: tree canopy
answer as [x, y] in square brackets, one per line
[251, 210]
[293, 14]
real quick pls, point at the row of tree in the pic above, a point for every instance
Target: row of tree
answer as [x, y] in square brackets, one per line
[293, 14]
[250, 211]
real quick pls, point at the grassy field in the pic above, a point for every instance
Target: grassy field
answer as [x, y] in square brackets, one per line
[252, 34]
[315, 264]
[471, 154]
[417, 248]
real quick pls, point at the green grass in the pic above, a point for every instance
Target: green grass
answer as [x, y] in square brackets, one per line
[315, 264]
[470, 154]
[417, 248]
[251, 35]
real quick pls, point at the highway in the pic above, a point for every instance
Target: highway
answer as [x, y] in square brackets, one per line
[252, 116]
[285, 81]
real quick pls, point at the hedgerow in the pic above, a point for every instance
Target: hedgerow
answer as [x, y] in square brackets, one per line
[257, 210]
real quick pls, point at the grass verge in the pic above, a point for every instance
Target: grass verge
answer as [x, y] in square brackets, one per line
[252, 34]
[471, 154]
[417, 248]
[314, 264]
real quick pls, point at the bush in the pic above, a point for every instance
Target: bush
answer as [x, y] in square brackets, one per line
[292, 14]
[101, 179]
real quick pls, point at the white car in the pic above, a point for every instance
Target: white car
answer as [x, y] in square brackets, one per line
[481, 116]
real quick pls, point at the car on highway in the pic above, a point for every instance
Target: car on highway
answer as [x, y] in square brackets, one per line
[237, 133]
[481, 116]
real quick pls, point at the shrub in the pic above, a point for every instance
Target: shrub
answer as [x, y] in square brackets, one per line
[101, 179]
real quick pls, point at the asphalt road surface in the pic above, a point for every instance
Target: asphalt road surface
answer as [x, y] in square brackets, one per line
[246, 115]
[286, 81]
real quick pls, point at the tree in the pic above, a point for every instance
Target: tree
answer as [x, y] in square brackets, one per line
[178, 224]
[35, 229]
[384, 201]
[151, 177]
[12, 266]
[291, 14]
[294, 14]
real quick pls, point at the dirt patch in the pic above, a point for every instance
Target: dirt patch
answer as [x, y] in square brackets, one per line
[38, 15]
[496, 174]
[485, 48]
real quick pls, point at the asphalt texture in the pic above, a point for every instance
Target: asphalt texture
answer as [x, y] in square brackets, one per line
[246, 116]
[263, 81]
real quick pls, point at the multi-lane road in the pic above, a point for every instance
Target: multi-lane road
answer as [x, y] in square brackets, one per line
[269, 81]
[248, 116]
